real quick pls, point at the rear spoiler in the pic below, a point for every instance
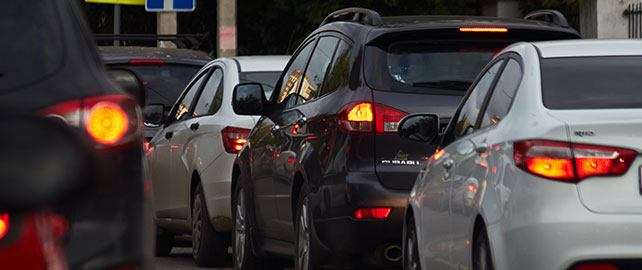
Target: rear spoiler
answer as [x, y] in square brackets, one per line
[548, 15]
[183, 41]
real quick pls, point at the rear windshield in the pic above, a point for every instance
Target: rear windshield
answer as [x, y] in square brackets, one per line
[164, 83]
[592, 82]
[428, 66]
[267, 79]
[31, 46]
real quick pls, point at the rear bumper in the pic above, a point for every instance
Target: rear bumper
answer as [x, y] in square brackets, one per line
[347, 240]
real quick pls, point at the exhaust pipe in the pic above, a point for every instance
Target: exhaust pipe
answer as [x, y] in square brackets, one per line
[392, 253]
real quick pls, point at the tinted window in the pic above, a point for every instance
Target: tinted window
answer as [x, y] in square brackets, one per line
[292, 78]
[316, 70]
[164, 83]
[592, 82]
[428, 66]
[186, 103]
[470, 110]
[503, 95]
[210, 97]
[340, 69]
[267, 79]
[31, 46]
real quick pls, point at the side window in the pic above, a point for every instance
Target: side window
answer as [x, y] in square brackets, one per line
[340, 69]
[292, 79]
[503, 95]
[316, 70]
[470, 110]
[212, 95]
[186, 103]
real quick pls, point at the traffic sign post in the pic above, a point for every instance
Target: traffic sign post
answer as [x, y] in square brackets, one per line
[170, 5]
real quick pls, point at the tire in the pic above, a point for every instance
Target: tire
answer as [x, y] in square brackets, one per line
[302, 255]
[411, 249]
[243, 255]
[163, 243]
[209, 247]
[482, 258]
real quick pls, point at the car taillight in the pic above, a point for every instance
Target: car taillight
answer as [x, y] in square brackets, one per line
[110, 121]
[4, 224]
[146, 62]
[372, 213]
[234, 138]
[596, 266]
[361, 117]
[484, 29]
[569, 161]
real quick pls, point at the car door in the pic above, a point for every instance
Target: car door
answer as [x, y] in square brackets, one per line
[175, 135]
[264, 143]
[294, 130]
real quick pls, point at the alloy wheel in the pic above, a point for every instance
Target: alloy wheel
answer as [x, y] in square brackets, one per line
[196, 224]
[303, 244]
[239, 229]
[412, 257]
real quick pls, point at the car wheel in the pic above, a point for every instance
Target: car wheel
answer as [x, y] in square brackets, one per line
[302, 255]
[242, 253]
[163, 243]
[209, 247]
[411, 249]
[482, 259]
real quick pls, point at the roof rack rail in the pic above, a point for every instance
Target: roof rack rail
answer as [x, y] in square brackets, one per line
[361, 15]
[184, 41]
[548, 15]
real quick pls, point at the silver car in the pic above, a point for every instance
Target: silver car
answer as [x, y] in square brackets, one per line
[540, 167]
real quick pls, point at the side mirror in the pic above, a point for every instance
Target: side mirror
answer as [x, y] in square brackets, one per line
[129, 81]
[249, 99]
[154, 115]
[36, 172]
[419, 127]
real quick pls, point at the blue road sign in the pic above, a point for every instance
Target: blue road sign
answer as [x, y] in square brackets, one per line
[170, 5]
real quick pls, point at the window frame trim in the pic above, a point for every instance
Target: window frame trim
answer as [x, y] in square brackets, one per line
[206, 71]
[508, 56]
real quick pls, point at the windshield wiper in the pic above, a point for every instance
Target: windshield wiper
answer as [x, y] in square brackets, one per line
[445, 84]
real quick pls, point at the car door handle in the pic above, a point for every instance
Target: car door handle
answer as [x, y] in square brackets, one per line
[194, 126]
[169, 135]
[274, 129]
[448, 163]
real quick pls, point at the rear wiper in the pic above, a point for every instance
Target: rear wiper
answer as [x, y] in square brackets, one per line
[445, 84]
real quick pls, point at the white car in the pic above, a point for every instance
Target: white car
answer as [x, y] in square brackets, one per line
[539, 167]
[190, 158]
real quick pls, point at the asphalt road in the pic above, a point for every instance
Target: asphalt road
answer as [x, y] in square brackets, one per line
[181, 259]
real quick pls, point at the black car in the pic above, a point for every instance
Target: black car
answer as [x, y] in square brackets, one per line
[50, 68]
[324, 177]
[165, 71]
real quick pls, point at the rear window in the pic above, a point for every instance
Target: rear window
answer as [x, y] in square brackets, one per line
[428, 66]
[31, 46]
[164, 83]
[592, 82]
[267, 79]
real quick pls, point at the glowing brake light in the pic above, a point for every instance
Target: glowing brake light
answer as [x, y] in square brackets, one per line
[107, 122]
[596, 266]
[372, 213]
[484, 29]
[360, 117]
[569, 161]
[234, 138]
[146, 62]
[4, 224]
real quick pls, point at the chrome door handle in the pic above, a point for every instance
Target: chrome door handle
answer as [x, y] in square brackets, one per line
[274, 129]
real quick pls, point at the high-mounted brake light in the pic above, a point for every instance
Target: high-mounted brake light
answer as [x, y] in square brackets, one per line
[360, 117]
[234, 138]
[569, 161]
[484, 29]
[146, 62]
[596, 266]
[4, 224]
[372, 213]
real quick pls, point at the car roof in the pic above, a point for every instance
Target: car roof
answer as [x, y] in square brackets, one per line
[122, 54]
[589, 47]
[261, 63]
[430, 20]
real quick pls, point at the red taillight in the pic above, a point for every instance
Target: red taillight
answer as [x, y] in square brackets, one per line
[4, 225]
[234, 138]
[146, 62]
[109, 120]
[571, 162]
[484, 29]
[360, 117]
[596, 266]
[372, 213]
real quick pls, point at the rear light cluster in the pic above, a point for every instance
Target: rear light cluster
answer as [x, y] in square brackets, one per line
[4, 224]
[234, 138]
[596, 266]
[367, 117]
[484, 29]
[569, 161]
[372, 213]
[110, 121]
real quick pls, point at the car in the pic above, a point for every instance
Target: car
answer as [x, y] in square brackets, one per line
[540, 166]
[165, 72]
[324, 178]
[50, 68]
[190, 158]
